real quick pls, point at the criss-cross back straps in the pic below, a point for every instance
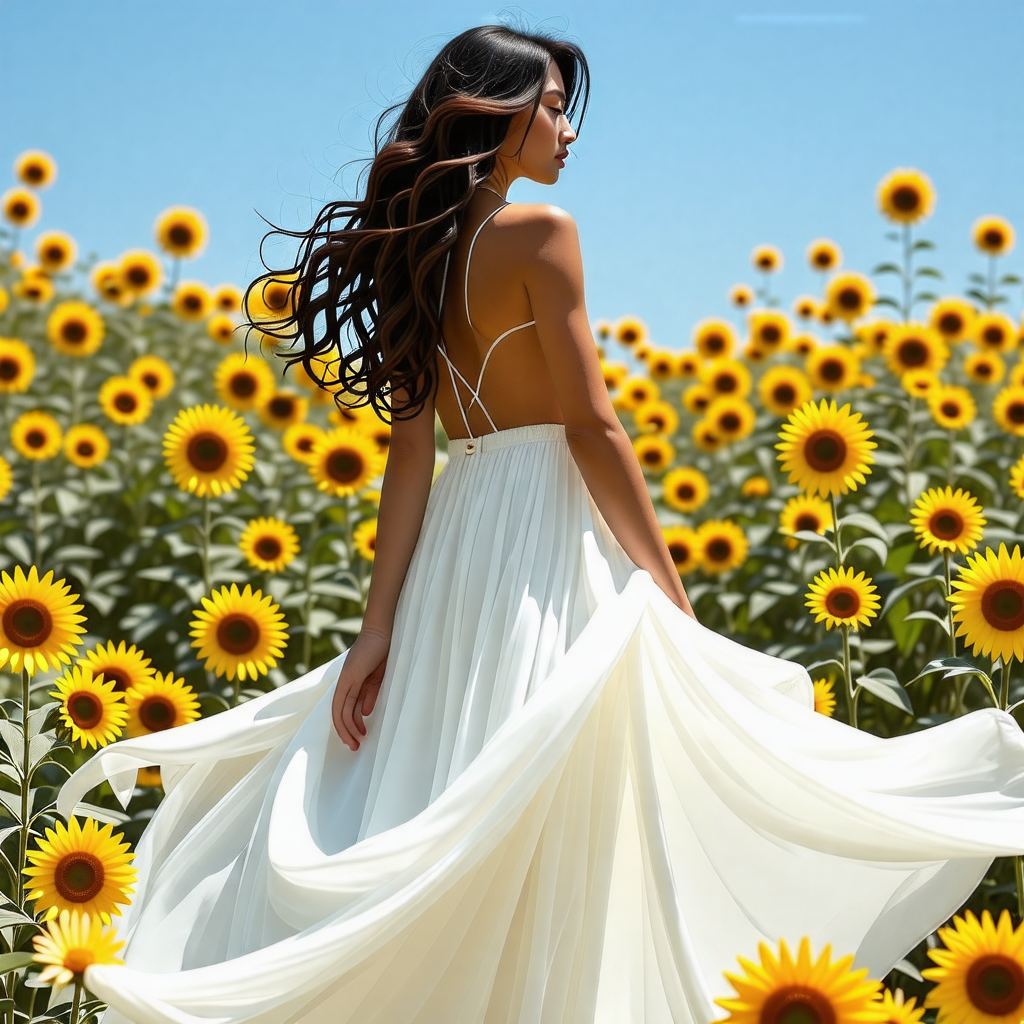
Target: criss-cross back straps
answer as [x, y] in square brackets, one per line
[452, 369]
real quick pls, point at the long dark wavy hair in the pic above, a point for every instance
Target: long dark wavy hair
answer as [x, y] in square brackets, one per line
[368, 274]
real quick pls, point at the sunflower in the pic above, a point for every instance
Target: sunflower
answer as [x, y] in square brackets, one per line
[56, 251]
[766, 258]
[208, 450]
[149, 776]
[842, 598]
[769, 328]
[160, 702]
[71, 943]
[181, 232]
[756, 486]
[220, 328]
[989, 606]
[109, 284]
[271, 299]
[140, 270]
[993, 235]
[947, 521]
[825, 450]
[952, 406]
[83, 868]
[35, 168]
[191, 301]
[269, 544]
[952, 317]
[654, 452]
[629, 330]
[125, 400]
[873, 334]
[36, 435]
[5, 299]
[364, 537]
[833, 368]
[824, 255]
[90, 707]
[75, 329]
[906, 195]
[805, 307]
[685, 489]
[85, 445]
[358, 417]
[34, 286]
[1016, 478]
[122, 667]
[824, 697]
[318, 394]
[239, 633]
[993, 331]
[697, 397]
[657, 417]
[781, 389]
[688, 364]
[914, 346]
[1008, 409]
[899, 1010]
[705, 437]
[17, 366]
[662, 364]
[753, 353]
[804, 512]
[683, 547]
[726, 377]
[602, 329]
[345, 460]
[6, 478]
[283, 408]
[300, 439]
[642, 350]
[38, 627]
[154, 374]
[741, 295]
[21, 207]
[635, 390]
[243, 381]
[850, 295]
[713, 337]
[980, 973]
[227, 298]
[984, 367]
[731, 418]
[721, 545]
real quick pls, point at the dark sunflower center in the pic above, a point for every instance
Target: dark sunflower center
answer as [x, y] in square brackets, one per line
[785, 394]
[371, 543]
[825, 451]
[950, 323]
[807, 521]
[276, 297]
[74, 332]
[983, 370]
[913, 352]
[282, 407]
[906, 198]
[1015, 412]
[726, 384]
[238, 633]
[138, 275]
[995, 984]
[10, 369]
[207, 451]
[946, 524]
[652, 456]
[157, 713]
[55, 254]
[79, 876]
[679, 552]
[19, 209]
[993, 238]
[993, 335]
[843, 602]
[120, 679]
[719, 549]
[823, 258]
[86, 449]
[33, 173]
[832, 370]
[85, 709]
[304, 444]
[771, 334]
[628, 336]
[344, 465]
[151, 380]
[714, 343]
[798, 1004]
[685, 492]
[125, 402]
[192, 302]
[35, 438]
[180, 235]
[729, 422]
[1002, 604]
[243, 384]
[850, 298]
[766, 262]
[268, 548]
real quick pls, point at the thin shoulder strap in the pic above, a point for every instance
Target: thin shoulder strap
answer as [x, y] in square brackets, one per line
[441, 348]
[469, 256]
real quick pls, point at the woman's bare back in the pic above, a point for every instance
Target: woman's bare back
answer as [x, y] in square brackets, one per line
[516, 387]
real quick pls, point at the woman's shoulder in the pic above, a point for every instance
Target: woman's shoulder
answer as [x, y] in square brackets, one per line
[540, 229]
[539, 216]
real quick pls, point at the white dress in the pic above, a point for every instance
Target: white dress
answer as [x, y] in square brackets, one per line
[574, 805]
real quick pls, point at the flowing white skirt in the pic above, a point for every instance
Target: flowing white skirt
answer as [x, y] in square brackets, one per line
[575, 804]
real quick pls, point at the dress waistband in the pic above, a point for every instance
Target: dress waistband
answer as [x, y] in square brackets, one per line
[466, 446]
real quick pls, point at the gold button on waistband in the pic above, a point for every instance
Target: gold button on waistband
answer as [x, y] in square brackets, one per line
[470, 447]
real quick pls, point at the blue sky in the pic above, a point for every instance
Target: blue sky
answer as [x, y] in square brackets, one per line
[714, 125]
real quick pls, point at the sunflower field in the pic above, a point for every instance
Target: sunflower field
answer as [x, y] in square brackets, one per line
[181, 529]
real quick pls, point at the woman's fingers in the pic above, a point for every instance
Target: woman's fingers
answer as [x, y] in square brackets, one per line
[348, 708]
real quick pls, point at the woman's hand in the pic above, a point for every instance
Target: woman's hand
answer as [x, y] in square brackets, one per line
[359, 684]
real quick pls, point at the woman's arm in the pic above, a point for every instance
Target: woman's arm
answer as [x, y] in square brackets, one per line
[598, 442]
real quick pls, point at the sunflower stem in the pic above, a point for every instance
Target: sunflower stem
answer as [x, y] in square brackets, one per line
[949, 608]
[205, 550]
[1018, 864]
[77, 1001]
[307, 608]
[76, 391]
[951, 461]
[851, 693]
[1004, 685]
[26, 789]
[907, 279]
[37, 533]
[991, 282]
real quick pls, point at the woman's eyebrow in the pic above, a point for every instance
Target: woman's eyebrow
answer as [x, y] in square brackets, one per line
[556, 92]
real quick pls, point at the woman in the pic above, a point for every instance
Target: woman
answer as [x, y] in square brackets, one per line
[535, 789]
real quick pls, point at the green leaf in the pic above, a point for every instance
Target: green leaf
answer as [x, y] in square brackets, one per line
[883, 683]
[864, 521]
[928, 272]
[888, 268]
[925, 613]
[15, 961]
[926, 297]
[879, 547]
[905, 588]
[922, 243]
[826, 661]
[1009, 279]
[15, 918]
[978, 296]
[884, 300]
